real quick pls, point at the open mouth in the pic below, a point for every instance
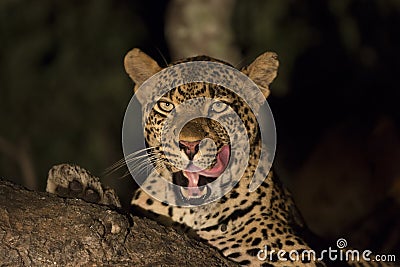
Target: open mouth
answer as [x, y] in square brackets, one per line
[193, 180]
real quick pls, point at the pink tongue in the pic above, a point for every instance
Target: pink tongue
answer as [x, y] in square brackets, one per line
[217, 170]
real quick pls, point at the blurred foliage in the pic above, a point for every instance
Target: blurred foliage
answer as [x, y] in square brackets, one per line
[63, 85]
[339, 60]
[360, 30]
[270, 25]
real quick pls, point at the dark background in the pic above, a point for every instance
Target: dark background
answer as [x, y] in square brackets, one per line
[63, 93]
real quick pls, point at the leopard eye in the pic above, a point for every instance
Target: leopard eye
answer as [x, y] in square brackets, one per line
[165, 106]
[219, 107]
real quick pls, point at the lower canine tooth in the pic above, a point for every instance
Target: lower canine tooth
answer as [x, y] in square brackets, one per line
[185, 193]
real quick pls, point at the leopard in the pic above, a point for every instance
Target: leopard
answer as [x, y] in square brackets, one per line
[243, 224]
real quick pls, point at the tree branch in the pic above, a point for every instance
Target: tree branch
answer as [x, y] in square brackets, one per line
[39, 229]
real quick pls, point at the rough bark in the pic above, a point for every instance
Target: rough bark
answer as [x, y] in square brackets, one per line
[39, 229]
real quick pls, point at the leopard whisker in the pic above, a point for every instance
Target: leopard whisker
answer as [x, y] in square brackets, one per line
[131, 157]
[148, 166]
[134, 165]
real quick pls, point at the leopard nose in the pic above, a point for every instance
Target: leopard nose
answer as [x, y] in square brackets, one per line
[190, 148]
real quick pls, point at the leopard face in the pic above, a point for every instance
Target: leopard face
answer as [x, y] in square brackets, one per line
[202, 150]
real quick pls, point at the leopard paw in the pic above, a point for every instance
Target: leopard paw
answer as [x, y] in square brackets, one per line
[73, 181]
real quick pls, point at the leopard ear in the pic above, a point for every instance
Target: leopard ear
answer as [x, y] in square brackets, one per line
[140, 66]
[263, 71]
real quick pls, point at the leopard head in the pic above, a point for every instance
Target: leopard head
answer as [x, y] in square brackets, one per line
[197, 149]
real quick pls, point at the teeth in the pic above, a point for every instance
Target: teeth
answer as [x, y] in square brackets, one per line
[185, 193]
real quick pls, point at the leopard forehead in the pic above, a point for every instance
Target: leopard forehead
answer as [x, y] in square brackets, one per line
[200, 92]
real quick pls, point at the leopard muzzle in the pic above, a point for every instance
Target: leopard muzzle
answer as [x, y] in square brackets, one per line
[193, 180]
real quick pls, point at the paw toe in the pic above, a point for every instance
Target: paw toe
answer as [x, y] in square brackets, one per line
[92, 196]
[75, 186]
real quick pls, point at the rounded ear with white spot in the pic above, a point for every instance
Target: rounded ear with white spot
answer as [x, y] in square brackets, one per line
[263, 71]
[140, 66]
